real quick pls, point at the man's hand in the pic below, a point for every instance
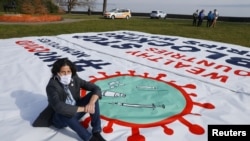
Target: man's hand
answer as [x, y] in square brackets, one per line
[90, 107]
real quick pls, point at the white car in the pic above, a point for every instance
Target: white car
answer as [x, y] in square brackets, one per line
[158, 14]
[118, 14]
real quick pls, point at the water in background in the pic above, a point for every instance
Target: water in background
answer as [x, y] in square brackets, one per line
[230, 10]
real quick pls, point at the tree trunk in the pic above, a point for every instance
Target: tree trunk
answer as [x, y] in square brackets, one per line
[69, 9]
[104, 8]
[89, 11]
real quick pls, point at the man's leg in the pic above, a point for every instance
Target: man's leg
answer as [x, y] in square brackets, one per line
[60, 121]
[95, 118]
[96, 123]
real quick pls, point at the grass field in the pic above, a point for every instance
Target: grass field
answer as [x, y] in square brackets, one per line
[227, 32]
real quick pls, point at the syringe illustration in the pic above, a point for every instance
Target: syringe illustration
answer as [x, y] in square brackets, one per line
[113, 94]
[115, 84]
[144, 87]
[153, 106]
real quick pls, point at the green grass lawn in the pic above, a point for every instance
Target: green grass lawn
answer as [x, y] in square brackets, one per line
[227, 32]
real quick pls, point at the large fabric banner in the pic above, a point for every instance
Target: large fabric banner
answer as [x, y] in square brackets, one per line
[154, 87]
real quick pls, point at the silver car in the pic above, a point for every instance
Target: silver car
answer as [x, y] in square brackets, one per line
[158, 14]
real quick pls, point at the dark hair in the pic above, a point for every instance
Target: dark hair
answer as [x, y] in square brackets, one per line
[63, 62]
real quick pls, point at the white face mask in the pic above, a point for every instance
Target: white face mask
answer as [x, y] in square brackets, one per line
[65, 79]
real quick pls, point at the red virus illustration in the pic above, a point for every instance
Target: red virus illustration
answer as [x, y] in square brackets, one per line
[140, 101]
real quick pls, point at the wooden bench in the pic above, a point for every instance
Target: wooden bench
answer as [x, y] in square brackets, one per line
[11, 5]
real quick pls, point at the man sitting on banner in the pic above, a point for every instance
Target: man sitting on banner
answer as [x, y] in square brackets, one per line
[66, 106]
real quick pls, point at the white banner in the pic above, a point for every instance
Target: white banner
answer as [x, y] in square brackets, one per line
[155, 87]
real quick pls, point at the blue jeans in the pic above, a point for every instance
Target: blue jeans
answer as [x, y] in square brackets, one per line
[61, 121]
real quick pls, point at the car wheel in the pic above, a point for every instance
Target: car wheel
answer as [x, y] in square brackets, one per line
[127, 17]
[113, 17]
[159, 17]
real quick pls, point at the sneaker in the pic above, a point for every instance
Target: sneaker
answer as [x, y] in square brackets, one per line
[93, 138]
[98, 136]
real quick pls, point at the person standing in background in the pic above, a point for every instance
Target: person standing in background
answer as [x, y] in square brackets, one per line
[195, 17]
[210, 18]
[201, 17]
[216, 15]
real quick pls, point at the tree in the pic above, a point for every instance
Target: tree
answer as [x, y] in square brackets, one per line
[38, 7]
[71, 4]
[90, 4]
[33, 7]
[104, 8]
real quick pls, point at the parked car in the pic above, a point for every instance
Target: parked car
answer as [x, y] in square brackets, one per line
[158, 14]
[118, 14]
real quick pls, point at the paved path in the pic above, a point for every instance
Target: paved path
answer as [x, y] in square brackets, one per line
[55, 22]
